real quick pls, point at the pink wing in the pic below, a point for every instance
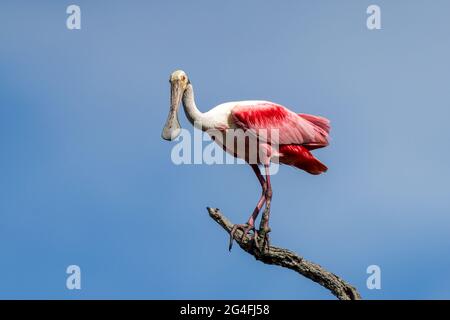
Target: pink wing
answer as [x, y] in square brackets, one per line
[298, 129]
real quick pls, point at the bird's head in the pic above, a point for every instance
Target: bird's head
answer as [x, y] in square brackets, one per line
[178, 83]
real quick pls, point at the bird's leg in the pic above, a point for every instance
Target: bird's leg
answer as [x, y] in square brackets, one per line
[264, 228]
[250, 225]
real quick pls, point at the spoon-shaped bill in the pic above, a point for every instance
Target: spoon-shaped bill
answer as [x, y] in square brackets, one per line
[172, 129]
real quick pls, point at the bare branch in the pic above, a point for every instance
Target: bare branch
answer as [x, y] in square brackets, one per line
[288, 259]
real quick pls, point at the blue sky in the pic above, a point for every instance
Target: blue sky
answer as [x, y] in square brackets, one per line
[87, 180]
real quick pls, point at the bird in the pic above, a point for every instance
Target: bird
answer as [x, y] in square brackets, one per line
[279, 134]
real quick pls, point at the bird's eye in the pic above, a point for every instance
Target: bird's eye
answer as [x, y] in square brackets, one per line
[183, 78]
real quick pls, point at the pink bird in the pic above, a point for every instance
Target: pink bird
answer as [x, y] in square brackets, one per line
[280, 135]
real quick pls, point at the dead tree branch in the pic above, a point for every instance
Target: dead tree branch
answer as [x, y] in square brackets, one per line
[288, 259]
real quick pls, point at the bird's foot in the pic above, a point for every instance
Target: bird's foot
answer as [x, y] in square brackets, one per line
[263, 245]
[245, 228]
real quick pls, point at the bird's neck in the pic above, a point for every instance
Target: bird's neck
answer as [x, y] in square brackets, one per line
[194, 115]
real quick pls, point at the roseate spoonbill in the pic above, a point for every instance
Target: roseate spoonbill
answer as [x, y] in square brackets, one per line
[297, 135]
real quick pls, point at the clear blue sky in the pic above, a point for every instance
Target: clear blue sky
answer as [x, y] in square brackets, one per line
[86, 179]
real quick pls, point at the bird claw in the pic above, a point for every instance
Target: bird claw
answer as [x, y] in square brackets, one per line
[246, 228]
[262, 246]
[265, 242]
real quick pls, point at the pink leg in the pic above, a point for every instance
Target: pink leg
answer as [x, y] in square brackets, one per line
[264, 226]
[268, 197]
[259, 205]
[250, 225]
[262, 200]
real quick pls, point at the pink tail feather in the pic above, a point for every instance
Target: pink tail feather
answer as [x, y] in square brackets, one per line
[300, 157]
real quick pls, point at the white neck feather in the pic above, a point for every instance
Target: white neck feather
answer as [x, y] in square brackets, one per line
[195, 117]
